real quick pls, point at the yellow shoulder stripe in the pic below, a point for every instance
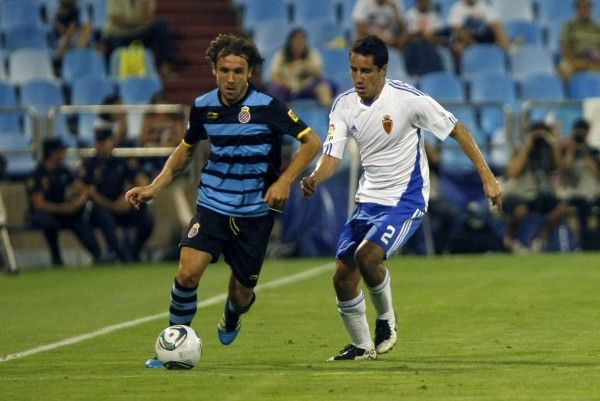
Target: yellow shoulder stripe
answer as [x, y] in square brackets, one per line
[184, 143]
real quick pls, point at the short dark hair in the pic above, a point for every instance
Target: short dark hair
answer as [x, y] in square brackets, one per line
[51, 145]
[371, 45]
[539, 125]
[228, 43]
[581, 124]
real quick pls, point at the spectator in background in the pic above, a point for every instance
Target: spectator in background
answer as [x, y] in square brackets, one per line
[579, 183]
[296, 72]
[424, 28]
[382, 18]
[160, 130]
[580, 42]
[129, 20]
[3, 165]
[69, 29]
[56, 202]
[530, 187]
[474, 21]
[107, 179]
[115, 121]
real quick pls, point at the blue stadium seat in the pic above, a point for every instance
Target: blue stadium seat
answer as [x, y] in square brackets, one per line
[554, 10]
[27, 64]
[25, 36]
[89, 90]
[305, 12]
[94, 11]
[396, 68]
[138, 90]
[43, 95]
[531, 59]
[270, 36]
[541, 86]
[508, 10]
[583, 85]
[79, 62]
[322, 33]
[482, 58]
[345, 8]
[313, 115]
[19, 156]
[9, 121]
[552, 31]
[522, 31]
[19, 12]
[259, 11]
[495, 88]
[443, 86]
[336, 67]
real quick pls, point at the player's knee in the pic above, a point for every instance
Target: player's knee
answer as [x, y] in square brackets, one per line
[188, 278]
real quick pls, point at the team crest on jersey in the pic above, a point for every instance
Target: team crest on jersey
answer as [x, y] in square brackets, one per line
[244, 115]
[194, 230]
[387, 124]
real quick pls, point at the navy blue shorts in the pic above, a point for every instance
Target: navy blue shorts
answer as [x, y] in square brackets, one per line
[242, 241]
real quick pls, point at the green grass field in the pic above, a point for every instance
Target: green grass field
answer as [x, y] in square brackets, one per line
[470, 328]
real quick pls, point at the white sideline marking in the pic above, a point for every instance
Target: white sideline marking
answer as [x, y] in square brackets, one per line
[315, 271]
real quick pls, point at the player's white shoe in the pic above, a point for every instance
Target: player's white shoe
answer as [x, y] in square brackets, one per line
[385, 335]
[353, 353]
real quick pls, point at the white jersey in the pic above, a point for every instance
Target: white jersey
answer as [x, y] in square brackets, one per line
[390, 138]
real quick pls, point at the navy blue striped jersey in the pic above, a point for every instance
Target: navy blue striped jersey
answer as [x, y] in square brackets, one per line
[245, 156]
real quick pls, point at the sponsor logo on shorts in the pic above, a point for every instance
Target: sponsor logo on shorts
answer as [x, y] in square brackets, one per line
[194, 230]
[244, 115]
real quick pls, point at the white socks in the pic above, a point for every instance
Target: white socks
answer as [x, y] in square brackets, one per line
[381, 296]
[354, 316]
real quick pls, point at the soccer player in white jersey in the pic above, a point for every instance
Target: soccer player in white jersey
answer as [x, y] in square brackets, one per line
[388, 120]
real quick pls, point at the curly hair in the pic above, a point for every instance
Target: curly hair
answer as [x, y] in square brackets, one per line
[227, 43]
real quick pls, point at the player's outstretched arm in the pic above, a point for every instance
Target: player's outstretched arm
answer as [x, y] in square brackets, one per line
[326, 167]
[491, 186]
[175, 164]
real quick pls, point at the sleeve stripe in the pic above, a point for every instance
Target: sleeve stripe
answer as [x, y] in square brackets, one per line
[184, 143]
[303, 133]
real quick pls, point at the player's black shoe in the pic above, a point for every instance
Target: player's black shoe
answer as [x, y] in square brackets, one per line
[353, 353]
[385, 335]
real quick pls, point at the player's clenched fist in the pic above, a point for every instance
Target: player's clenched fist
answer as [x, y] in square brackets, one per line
[308, 186]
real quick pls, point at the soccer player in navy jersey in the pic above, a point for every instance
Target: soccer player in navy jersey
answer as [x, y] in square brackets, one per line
[241, 184]
[387, 119]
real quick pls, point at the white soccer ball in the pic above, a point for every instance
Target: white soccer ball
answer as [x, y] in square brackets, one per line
[178, 347]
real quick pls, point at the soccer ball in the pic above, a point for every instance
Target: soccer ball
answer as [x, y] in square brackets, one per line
[178, 347]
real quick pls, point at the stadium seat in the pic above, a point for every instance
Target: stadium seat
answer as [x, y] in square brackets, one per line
[554, 11]
[94, 11]
[531, 59]
[79, 62]
[508, 10]
[27, 64]
[19, 12]
[270, 36]
[443, 86]
[345, 8]
[25, 36]
[313, 115]
[19, 157]
[89, 90]
[521, 31]
[583, 85]
[138, 90]
[482, 58]
[396, 65]
[9, 121]
[541, 86]
[323, 33]
[44, 95]
[493, 88]
[305, 12]
[335, 67]
[259, 11]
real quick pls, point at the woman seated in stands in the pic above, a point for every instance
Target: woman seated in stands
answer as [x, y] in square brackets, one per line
[296, 72]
